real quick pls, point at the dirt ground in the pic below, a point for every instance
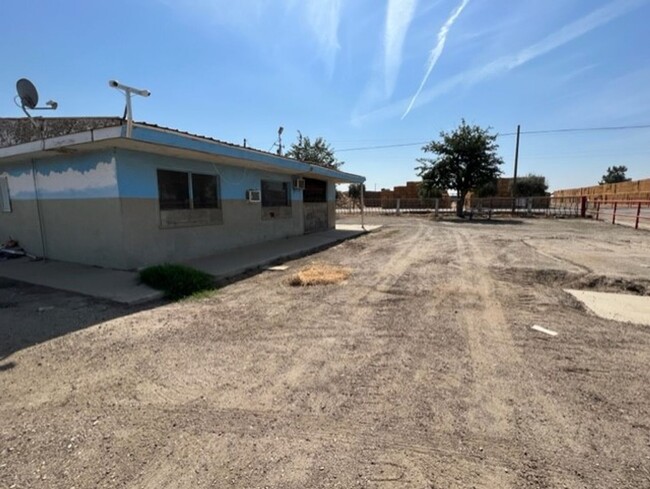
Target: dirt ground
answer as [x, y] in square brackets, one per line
[421, 370]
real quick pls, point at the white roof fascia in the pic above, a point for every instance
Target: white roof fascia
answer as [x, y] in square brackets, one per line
[61, 141]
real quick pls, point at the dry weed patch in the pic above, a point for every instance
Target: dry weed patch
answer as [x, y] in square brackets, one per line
[319, 274]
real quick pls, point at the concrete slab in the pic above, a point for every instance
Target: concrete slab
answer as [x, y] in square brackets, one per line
[619, 307]
[115, 285]
[124, 286]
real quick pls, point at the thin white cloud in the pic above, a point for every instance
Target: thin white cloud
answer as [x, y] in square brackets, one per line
[557, 39]
[323, 18]
[437, 51]
[399, 15]
[320, 18]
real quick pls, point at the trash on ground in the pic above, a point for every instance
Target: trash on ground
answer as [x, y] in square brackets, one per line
[541, 329]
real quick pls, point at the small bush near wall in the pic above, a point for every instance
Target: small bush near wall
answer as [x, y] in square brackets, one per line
[176, 281]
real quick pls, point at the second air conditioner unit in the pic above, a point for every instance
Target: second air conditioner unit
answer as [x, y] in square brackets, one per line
[253, 195]
[299, 183]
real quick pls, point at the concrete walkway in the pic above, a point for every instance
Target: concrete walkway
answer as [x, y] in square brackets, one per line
[124, 287]
[103, 283]
[247, 258]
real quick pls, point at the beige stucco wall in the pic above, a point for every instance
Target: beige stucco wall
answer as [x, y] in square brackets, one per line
[146, 242]
[316, 216]
[22, 225]
[85, 231]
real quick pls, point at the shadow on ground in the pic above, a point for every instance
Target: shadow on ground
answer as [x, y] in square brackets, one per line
[489, 222]
[31, 314]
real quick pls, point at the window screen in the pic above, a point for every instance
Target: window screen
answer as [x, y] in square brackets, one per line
[275, 194]
[205, 191]
[315, 190]
[173, 190]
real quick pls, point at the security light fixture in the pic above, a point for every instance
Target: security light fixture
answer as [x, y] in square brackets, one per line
[128, 91]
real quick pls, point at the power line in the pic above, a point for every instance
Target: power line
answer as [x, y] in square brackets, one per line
[383, 146]
[542, 131]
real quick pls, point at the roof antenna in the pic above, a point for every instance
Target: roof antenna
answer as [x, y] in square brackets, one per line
[28, 96]
[280, 131]
[128, 91]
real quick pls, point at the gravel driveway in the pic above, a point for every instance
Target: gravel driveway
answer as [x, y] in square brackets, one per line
[419, 371]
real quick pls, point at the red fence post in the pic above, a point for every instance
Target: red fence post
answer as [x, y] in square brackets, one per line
[638, 215]
[614, 213]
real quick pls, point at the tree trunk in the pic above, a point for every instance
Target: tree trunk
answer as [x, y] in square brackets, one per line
[460, 205]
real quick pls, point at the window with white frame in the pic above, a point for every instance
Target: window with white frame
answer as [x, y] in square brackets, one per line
[5, 201]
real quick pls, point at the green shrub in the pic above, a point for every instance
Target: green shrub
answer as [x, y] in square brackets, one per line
[176, 281]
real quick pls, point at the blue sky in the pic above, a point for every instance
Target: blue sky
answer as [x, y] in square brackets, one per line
[358, 72]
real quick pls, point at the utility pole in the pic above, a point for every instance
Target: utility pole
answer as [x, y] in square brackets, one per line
[514, 179]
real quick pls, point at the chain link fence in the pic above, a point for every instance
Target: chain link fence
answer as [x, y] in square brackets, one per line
[569, 207]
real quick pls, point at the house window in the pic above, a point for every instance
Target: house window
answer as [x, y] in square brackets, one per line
[5, 201]
[315, 190]
[204, 191]
[275, 194]
[182, 190]
[173, 190]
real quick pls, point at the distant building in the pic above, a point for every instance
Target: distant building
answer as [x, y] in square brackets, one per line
[409, 195]
[631, 190]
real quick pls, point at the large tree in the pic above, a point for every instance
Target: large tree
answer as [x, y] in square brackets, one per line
[531, 186]
[465, 159]
[318, 151]
[615, 174]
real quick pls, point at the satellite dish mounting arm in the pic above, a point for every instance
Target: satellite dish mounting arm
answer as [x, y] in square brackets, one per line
[28, 96]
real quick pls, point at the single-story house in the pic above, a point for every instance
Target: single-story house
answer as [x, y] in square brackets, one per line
[82, 190]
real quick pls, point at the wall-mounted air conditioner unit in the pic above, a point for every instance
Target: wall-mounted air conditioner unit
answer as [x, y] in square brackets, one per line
[253, 195]
[299, 183]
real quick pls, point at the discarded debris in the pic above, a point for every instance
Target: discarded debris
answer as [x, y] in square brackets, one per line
[541, 329]
[11, 249]
[278, 268]
[319, 274]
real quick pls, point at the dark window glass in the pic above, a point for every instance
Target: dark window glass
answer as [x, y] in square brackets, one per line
[315, 191]
[173, 190]
[275, 194]
[205, 191]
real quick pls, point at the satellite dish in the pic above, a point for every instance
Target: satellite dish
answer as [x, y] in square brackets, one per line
[29, 98]
[27, 93]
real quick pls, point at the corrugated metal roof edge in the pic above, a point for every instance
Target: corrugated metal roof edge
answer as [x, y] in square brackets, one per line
[247, 148]
[149, 125]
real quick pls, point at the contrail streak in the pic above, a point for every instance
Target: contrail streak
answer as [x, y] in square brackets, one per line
[437, 51]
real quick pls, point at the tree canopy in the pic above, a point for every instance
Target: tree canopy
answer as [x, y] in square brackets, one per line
[318, 152]
[354, 190]
[615, 174]
[531, 186]
[465, 159]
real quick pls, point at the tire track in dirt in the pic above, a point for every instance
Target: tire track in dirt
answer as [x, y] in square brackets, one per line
[563, 261]
[309, 380]
[500, 383]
